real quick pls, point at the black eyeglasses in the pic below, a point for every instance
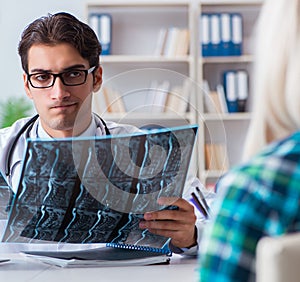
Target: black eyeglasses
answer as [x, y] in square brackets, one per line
[69, 78]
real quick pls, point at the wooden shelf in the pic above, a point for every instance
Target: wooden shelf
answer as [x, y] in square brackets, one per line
[231, 2]
[229, 116]
[229, 59]
[136, 26]
[144, 59]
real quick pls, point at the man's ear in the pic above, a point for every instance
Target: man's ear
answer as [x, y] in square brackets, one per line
[97, 79]
[26, 86]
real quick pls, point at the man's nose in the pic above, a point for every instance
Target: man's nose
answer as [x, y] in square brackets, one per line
[59, 90]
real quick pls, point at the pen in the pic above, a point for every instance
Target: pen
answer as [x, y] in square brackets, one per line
[202, 198]
[199, 205]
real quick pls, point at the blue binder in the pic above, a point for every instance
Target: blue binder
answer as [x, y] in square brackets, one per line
[229, 78]
[226, 36]
[105, 23]
[237, 34]
[215, 32]
[242, 89]
[221, 34]
[205, 34]
[102, 25]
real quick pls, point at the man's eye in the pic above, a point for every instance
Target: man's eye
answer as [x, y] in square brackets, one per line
[41, 76]
[73, 74]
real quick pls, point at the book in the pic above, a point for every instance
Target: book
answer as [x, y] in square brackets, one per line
[111, 255]
[215, 100]
[150, 96]
[171, 42]
[178, 98]
[210, 103]
[161, 42]
[216, 157]
[113, 100]
[96, 190]
[160, 96]
[222, 98]
[182, 48]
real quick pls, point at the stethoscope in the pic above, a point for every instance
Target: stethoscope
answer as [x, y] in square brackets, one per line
[27, 127]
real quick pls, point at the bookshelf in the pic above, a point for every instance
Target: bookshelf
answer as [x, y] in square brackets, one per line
[134, 63]
[134, 66]
[226, 129]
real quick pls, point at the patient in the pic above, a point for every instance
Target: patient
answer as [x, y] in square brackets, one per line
[261, 197]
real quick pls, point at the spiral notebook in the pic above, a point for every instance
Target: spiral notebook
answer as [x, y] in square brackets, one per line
[112, 255]
[96, 190]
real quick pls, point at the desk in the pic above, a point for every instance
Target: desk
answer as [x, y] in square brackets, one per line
[21, 269]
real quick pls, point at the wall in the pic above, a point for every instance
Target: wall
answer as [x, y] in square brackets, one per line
[14, 16]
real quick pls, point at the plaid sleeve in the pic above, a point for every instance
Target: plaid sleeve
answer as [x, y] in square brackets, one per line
[255, 201]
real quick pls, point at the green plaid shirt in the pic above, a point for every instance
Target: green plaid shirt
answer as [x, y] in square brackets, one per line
[260, 198]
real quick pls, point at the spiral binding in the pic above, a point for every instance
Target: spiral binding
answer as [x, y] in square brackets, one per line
[139, 248]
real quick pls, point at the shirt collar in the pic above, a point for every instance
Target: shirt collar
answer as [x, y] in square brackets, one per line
[90, 131]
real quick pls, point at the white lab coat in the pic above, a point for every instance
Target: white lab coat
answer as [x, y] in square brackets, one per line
[7, 135]
[96, 128]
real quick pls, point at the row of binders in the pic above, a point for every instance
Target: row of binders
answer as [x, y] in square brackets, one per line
[172, 42]
[159, 97]
[221, 34]
[101, 23]
[231, 97]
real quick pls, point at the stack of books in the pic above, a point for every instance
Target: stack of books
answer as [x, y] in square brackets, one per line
[159, 97]
[172, 42]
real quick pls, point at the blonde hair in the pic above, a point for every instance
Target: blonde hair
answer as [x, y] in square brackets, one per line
[276, 83]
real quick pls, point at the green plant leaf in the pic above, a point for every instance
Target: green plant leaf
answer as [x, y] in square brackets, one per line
[13, 109]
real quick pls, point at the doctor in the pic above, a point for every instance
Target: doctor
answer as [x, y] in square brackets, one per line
[60, 59]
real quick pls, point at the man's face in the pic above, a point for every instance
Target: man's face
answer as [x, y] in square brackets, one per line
[58, 106]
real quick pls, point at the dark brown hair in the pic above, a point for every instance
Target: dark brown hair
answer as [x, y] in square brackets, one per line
[60, 28]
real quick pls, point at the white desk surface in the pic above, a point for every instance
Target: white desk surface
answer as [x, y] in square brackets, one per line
[21, 269]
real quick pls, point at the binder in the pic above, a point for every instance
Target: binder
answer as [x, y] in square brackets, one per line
[237, 34]
[105, 27]
[230, 91]
[205, 35]
[102, 25]
[221, 34]
[94, 23]
[225, 49]
[242, 89]
[215, 32]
